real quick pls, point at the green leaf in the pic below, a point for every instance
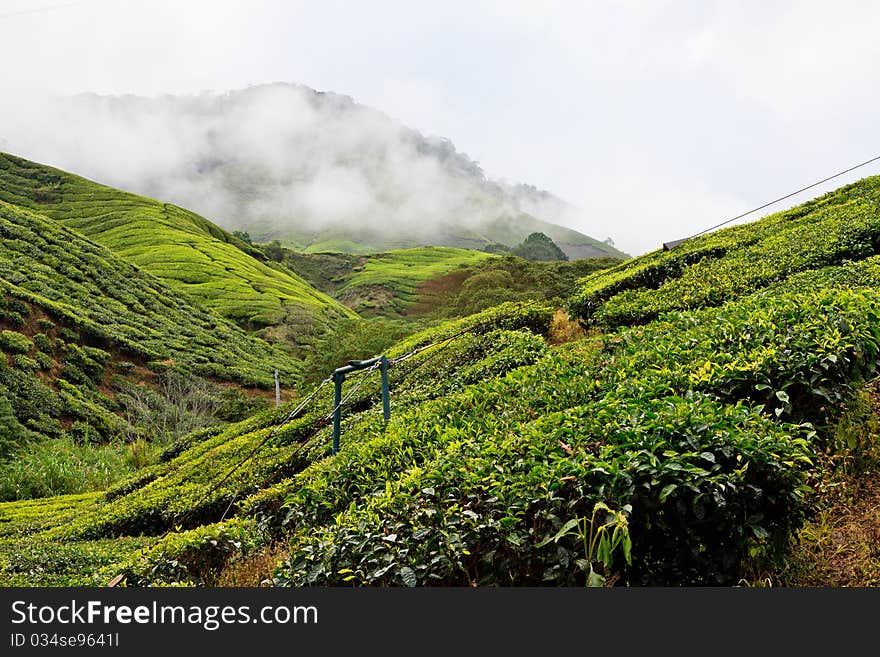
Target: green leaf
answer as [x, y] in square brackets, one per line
[408, 576]
[627, 548]
[603, 553]
[594, 579]
[782, 396]
[667, 489]
[562, 532]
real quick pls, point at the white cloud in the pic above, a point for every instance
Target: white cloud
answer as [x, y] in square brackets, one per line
[736, 101]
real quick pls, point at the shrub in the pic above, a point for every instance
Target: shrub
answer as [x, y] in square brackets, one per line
[25, 363]
[43, 343]
[14, 342]
[11, 431]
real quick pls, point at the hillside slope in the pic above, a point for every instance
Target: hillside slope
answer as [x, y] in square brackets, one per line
[388, 282]
[832, 230]
[508, 228]
[78, 324]
[282, 161]
[184, 250]
[668, 446]
[435, 280]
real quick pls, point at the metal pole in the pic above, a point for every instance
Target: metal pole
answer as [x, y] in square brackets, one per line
[386, 397]
[277, 390]
[338, 378]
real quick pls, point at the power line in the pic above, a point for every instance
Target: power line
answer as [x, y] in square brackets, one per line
[782, 198]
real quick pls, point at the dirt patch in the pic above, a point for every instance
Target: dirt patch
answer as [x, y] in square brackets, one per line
[370, 299]
[841, 546]
[439, 291]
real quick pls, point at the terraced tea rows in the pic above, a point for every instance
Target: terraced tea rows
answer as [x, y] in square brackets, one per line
[184, 250]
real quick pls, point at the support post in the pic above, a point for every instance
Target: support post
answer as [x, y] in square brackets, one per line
[338, 378]
[277, 390]
[386, 397]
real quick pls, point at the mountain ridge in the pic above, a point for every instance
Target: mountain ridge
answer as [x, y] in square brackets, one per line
[285, 161]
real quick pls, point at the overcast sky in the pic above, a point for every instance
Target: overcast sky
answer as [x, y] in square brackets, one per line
[657, 118]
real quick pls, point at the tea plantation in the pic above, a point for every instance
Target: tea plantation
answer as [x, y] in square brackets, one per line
[435, 281]
[182, 249]
[78, 325]
[675, 443]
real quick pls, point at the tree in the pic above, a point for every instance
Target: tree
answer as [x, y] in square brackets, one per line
[484, 290]
[274, 251]
[538, 246]
[496, 247]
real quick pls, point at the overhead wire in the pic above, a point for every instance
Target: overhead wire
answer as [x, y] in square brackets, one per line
[782, 198]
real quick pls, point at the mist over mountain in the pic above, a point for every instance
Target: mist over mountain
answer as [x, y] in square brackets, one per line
[314, 169]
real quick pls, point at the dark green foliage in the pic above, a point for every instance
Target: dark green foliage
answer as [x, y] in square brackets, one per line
[11, 431]
[433, 282]
[234, 405]
[43, 343]
[105, 302]
[243, 236]
[25, 363]
[64, 465]
[14, 343]
[642, 419]
[110, 319]
[274, 251]
[482, 463]
[538, 246]
[505, 279]
[486, 289]
[30, 398]
[44, 361]
[496, 248]
[696, 425]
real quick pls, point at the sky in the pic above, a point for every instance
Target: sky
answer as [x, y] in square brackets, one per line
[658, 119]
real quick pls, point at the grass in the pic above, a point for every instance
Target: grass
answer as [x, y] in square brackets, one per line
[840, 543]
[62, 466]
[96, 353]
